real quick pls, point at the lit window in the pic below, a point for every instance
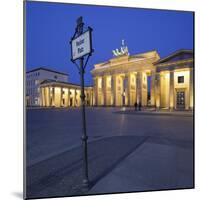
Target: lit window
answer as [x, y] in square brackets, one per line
[180, 79]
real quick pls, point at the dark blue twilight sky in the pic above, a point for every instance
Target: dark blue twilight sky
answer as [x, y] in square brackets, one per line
[51, 25]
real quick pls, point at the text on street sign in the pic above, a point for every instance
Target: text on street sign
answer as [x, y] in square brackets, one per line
[81, 45]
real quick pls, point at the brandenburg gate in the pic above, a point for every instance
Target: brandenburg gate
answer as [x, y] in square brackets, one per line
[123, 80]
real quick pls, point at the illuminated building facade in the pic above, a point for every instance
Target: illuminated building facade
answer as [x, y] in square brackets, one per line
[61, 94]
[174, 81]
[33, 80]
[124, 80]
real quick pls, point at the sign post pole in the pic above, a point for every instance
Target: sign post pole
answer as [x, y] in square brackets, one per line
[81, 45]
[84, 136]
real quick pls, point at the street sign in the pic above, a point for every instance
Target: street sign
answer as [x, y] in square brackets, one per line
[81, 45]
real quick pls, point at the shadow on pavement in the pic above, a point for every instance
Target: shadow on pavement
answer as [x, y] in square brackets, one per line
[61, 175]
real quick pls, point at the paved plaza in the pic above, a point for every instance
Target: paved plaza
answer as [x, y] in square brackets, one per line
[128, 151]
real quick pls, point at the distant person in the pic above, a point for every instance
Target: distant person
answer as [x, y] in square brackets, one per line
[140, 105]
[135, 106]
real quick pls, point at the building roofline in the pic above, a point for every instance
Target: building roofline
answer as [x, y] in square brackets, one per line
[173, 54]
[62, 82]
[144, 52]
[129, 57]
[46, 69]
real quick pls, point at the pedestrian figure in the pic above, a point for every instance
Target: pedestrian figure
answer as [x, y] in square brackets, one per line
[135, 106]
[140, 105]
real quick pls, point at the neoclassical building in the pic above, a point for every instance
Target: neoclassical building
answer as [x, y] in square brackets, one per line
[124, 80]
[174, 80]
[33, 80]
[62, 94]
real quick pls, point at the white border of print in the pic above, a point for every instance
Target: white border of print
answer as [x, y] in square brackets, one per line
[11, 99]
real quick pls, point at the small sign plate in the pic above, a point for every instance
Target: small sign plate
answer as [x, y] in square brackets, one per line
[81, 45]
